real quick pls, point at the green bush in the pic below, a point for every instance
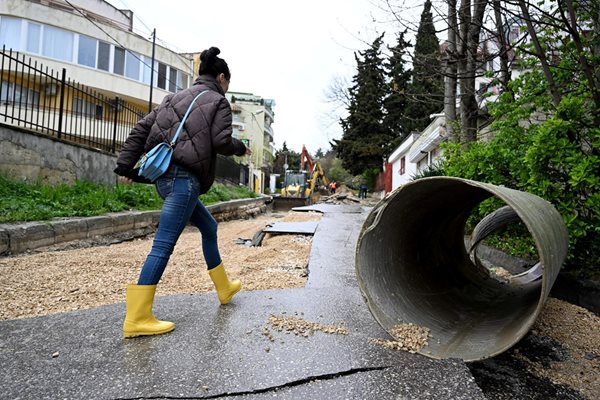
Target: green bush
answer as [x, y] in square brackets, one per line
[553, 159]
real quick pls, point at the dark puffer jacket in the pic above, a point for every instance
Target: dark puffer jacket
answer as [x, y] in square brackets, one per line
[207, 131]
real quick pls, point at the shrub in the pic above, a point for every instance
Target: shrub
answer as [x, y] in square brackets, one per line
[25, 201]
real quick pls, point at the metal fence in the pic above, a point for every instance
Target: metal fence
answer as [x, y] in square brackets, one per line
[228, 170]
[32, 96]
[47, 101]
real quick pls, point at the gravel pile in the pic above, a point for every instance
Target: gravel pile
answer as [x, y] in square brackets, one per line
[407, 337]
[301, 327]
[577, 334]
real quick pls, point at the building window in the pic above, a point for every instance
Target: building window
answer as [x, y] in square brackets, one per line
[82, 107]
[119, 61]
[10, 33]
[182, 80]
[147, 70]
[132, 66]
[172, 80]
[57, 43]
[402, 170]
[162, 76]
[53, 42]
[33, 37]
[86, 108]
[86, 54]
[103, 56]
[18, 94]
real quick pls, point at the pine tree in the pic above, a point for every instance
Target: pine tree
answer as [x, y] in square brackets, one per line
[427, 87]
[395, 120]
[365, 140]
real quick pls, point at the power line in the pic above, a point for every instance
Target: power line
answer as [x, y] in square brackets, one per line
[117, 42]
[150, 32]
[135, 15]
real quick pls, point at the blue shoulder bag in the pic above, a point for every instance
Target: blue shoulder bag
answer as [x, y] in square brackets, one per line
[156, 162]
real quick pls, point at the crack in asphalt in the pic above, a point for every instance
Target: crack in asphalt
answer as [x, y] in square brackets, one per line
[267, 389]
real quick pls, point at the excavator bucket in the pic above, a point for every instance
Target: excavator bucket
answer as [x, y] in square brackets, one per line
[281, 203]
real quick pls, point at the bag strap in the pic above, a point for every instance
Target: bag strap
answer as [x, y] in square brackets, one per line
[185, 117]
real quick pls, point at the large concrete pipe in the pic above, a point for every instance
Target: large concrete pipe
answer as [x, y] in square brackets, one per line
[413, 267]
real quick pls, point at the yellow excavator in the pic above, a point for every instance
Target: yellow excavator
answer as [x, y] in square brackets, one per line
[302, 187]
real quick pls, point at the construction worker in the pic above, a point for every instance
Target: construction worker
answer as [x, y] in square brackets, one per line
[363, 190]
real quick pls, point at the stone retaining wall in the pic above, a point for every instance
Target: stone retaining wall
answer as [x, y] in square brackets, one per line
[28, 155]
[22, 237]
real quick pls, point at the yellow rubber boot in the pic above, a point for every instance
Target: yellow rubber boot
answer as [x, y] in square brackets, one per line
[225, 288]
[139, 320]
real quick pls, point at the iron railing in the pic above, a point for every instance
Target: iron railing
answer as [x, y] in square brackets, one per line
[34, 97]
[229, 170]
[47, 101]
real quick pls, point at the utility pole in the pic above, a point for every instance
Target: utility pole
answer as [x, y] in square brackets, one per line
[152, 69]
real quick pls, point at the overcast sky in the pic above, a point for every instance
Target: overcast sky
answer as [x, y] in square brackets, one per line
[288, 51]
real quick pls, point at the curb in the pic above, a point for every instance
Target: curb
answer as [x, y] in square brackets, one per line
[17, 238]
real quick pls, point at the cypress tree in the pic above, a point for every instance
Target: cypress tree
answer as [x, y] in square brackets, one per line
[427, 87]
[365, 140]
[395, 103]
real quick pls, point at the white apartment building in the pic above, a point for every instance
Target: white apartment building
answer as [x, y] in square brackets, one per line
[402, 170]
[417, 152]
[252, 119]
[95, 42]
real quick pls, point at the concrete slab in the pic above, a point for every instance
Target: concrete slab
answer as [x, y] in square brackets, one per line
[333, 248]
[332, 208]
[4, 240]
[306, 227]
[122, 221]
[98, 226]
[69, 229]
[29, 235]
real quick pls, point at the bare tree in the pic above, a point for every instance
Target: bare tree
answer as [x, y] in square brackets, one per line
[450, 59]
[570, 20]
[470, 21]
[504, 46]
[540, 53]
[337, 92]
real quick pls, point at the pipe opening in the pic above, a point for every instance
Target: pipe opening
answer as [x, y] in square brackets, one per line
[415, 265]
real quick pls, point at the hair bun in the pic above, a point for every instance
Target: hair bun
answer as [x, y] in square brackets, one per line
[211, 64]
[213, 52]
[209, 56]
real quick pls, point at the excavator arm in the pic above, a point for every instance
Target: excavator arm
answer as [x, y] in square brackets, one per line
[306, 160]
[317, 173]
[299, 186]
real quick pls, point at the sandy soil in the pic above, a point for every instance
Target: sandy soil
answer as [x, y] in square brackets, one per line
[50, 282]
[57, 281]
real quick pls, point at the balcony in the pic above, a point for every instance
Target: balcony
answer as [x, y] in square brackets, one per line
[431, 137]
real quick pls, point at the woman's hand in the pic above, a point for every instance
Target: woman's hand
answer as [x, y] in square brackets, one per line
[248, 151]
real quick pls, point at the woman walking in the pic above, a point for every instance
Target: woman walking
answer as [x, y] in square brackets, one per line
[206, 132]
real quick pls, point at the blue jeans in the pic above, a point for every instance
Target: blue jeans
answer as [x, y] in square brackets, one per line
[180, 190]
